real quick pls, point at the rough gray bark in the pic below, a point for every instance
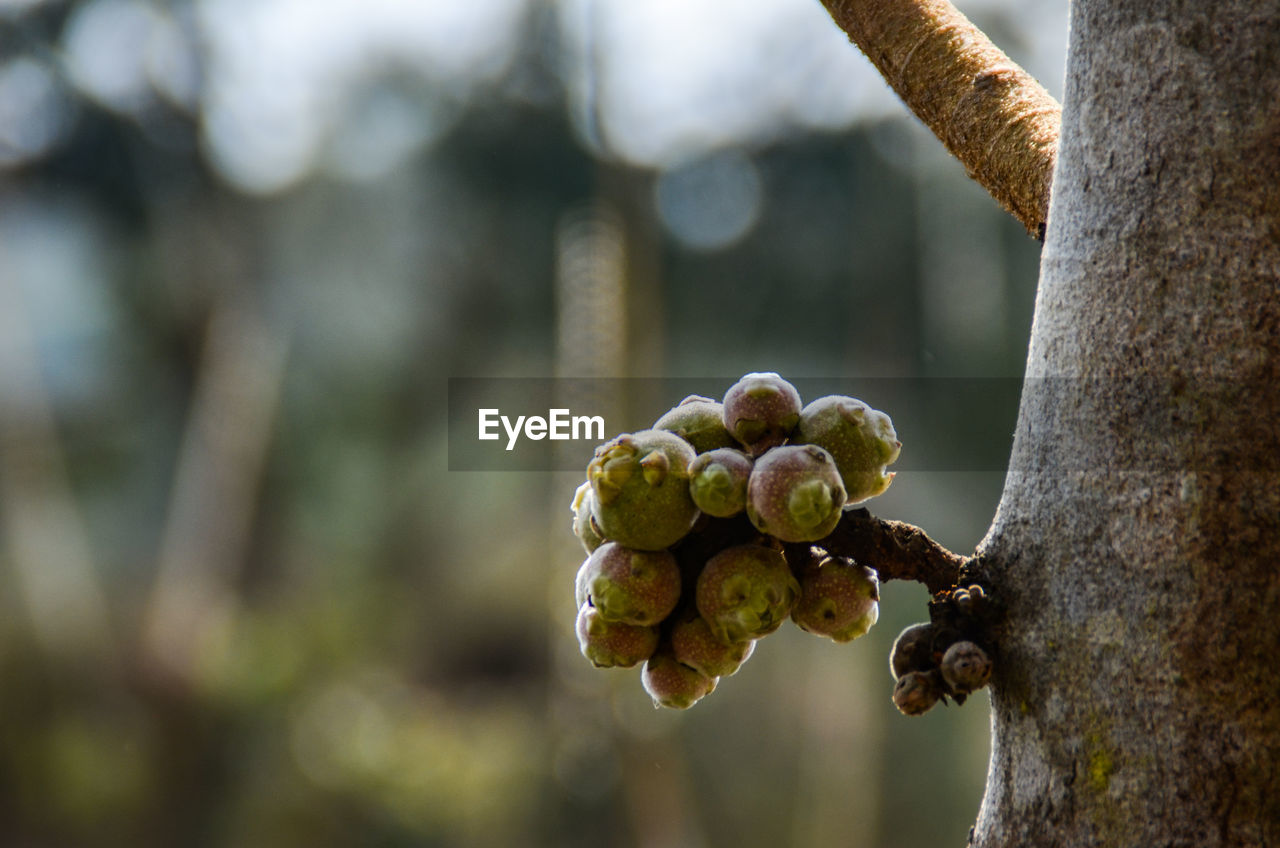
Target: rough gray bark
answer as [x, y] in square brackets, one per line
[1137, 545]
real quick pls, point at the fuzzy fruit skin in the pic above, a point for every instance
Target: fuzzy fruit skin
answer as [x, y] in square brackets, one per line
[612, 644]
[912, 650]
[629, 586]
[838, 599]
[693, 644]
[916, 692]
[640, 483]
[965, 667]
[718, 481]
[673, 684]
[699, 421]
[581, 592]
[761, 410]
[860, 439]
[745, 592]
[583, 525]
[795, 493]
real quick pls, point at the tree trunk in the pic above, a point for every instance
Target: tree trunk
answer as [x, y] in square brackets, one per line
[1137, 694]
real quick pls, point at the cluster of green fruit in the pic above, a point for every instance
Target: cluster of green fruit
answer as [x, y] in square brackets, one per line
[698, 530]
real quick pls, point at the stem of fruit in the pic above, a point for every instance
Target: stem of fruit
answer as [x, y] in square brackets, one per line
[895, 549]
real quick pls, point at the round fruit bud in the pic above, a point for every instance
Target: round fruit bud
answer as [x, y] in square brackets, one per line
[718, 481]
[761, 410]
[610, 644]
[912, 650]
[965, 667]
[640, 484]
[584, 526]
[916, 692]
[699, 421]
[838, 599]
[580, 593]
[673, 684]
[635, 587]
[860, 439]
[795, 493]
[693, 644]
[968, 600]
[745, 592]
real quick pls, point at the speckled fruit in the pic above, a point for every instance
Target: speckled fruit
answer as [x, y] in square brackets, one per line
[860, 439]
[640, 482]
[838, 599]
[912, 650]
[965, 667]
[673, 684]
[916, 692]
[718, 481]
[610, 644]
[693, 644]
[635, 587]
[761, 410]
[583, 524]
[745, 592]
[795, 493]
[699, 421]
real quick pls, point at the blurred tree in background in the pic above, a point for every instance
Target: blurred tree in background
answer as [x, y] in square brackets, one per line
[244, 244]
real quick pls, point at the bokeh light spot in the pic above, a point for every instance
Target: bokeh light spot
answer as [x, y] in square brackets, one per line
[710, 203]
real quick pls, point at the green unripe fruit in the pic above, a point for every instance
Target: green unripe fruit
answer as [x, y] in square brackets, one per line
[795, 493]
[640, 483]
[965, 667]
[761, 410]
[745, 592]
[693, 644]
[613, 644]
[860, 439]
[838, 599]
[916, 692]
[584, 526]
[673, 684]
[634, 587]
[718, 481]
[912, 650]
[699, 421]
[581, 594]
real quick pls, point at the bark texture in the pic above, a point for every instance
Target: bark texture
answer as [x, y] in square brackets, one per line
[1137, 546]
[991, 114]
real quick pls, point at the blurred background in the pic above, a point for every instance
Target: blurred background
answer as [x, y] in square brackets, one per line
[243, 246]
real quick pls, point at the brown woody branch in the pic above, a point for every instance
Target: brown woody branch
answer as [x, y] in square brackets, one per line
[990, 113]
[896, 550]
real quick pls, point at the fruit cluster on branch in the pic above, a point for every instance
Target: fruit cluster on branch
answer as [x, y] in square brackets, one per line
[707, 531]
